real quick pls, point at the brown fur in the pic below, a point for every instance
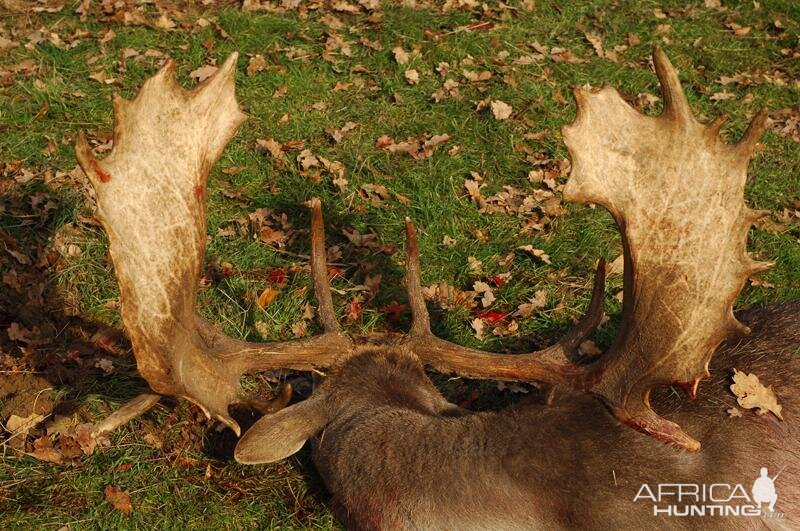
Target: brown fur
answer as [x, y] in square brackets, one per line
[396, 455]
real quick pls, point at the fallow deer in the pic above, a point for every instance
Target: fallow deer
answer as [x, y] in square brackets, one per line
[392, 451]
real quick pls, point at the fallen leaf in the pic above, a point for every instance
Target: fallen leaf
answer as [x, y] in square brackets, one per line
[103, 78]
[485, 291]
[479, 326]
[506, 329]
[738, 30]
[267, 297]
[393, 310]
[721, 96]
[341, 184]
[256, 64]
[400, 55]
[616, 267]
[105, 364]
[119, 498]
[307, 160]
[539, 300]
[588, 348]
[280, 91]
[491, 316]
[501, 110]
[412, 76]
[538, 253]
[299, 329]
[203, 73]
[165, 23]
[448, 297]
[271, 146]
[338, 134]
[751, 393]
[43, 450]
[474, 265]
[20, 426]
[354, 309]
[476, 76]
[734, 412]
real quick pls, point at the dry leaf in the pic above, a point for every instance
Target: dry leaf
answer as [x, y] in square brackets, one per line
[750, 393]
[119, 498]
[538, 253]
[267, 297]
[475, 266]
[43, 451]
[721, 96]
[300, 329]
[476, 76]
[485, 291]
[479, 326]
[165, 23]
[105, 364]
[616, 267]
[354, 309]
[256, 64]
[307, 160]
[271, 146]
[448, 297]
[20, 426]
[203, 73]
[588, 348]
[412, 76]
[280, 91]
[341, 184]
[501, 110]
[539, 300]
[400, 55]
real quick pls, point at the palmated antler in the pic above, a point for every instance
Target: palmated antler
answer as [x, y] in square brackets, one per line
[676, 191]
[151, 200]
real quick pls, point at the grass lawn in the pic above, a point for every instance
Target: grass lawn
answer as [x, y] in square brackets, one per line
[326, 85]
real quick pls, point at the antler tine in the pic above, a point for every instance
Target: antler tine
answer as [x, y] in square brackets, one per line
[675, 104]
[306, 354]
[594, 313]
[753, 134]
[420, 319]
[319, 270]
[550, 365]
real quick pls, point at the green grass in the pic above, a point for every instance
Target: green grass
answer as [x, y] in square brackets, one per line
[169, 494]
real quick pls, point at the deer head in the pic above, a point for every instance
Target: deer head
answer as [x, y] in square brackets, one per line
[673, 186]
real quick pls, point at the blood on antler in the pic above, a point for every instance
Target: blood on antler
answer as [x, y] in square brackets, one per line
[673, 186]
[151, 200]
[676, 191]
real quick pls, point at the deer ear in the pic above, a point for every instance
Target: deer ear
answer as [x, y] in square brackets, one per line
[276, 436]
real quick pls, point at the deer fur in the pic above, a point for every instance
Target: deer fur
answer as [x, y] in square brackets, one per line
[396, 455]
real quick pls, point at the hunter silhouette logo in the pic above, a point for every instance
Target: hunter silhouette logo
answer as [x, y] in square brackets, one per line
[764, 489]
[713, 499]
